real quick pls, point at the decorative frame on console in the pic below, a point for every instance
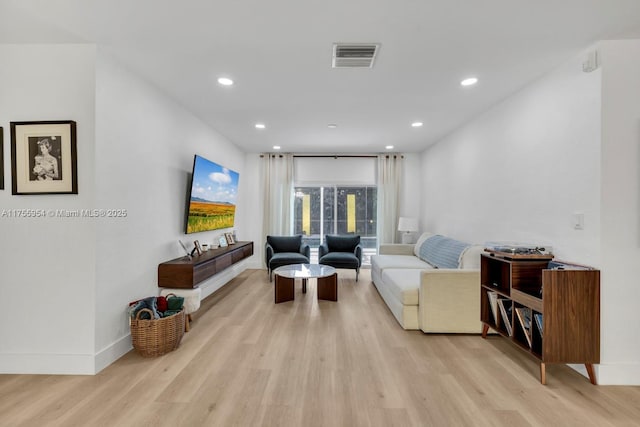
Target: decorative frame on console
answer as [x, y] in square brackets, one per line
[197, 248]
[229, 238]
[44, 157]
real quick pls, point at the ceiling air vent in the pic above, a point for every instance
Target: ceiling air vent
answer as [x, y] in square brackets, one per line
[354, 55]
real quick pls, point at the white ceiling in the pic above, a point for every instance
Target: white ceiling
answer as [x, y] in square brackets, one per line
[279, 54]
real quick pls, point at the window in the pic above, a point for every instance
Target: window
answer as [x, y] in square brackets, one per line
[336, 195]
[322, 210]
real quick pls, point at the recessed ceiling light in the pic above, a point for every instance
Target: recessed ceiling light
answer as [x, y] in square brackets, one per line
[416, 124]
[469, 82]
[260, 126]
[389, 147]
[224, 81]
[332, 125]
[276, 147]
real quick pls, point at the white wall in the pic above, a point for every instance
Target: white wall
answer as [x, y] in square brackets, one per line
[567, 143]
[520, 171]
[47, 280]
[145, 144]
[620, 292]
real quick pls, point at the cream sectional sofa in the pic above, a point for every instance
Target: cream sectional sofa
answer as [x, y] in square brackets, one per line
[433, 285]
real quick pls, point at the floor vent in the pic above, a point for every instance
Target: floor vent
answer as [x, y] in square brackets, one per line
[354, 55]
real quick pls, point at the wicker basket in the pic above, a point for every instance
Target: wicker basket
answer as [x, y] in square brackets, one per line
[156, 337]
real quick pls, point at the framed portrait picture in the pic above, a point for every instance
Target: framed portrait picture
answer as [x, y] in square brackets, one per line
[1, 160]
[44, 158]
[197, 247]
[229, 238]
[223, 241]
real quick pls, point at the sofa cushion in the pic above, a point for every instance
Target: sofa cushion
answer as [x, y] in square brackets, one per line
[285, 243]
[403, 283]
[342, 243]
[340, 260]
[381, 262]
[442, 252]
[287, 258]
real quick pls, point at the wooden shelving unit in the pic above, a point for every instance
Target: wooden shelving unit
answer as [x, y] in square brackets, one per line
[188, 272]
[567, 301]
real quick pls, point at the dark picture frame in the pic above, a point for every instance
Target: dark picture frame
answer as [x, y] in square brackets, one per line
[44, 157]
[1, 159]
[197, 247]
[230, 239]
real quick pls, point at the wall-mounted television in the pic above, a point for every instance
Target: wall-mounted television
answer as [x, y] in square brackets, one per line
[212, 198]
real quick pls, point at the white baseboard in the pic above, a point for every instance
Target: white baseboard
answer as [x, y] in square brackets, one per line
[113, 352]
[618, 374]
[53, 364]
[64, 364]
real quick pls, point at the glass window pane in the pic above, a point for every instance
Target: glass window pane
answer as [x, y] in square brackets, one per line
[354, 211]
[319, 211]
[306, 214]
[329, 211]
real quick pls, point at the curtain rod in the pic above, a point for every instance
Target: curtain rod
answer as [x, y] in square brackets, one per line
[335, 156]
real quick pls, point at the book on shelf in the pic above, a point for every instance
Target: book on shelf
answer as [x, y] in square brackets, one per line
[538, 319]
[506, 309]
[493, 303]
[524, 317]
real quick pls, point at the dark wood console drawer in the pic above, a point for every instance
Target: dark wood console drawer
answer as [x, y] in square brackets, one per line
[188, 273]
[247, 251]
[175, 275]
[203, 271]
[237, 255]
[224, 261]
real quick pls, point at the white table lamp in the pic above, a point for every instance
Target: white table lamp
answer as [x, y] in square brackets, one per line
[407, 226]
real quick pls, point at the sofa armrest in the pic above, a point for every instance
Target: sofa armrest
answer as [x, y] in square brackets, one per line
[323, 249]
[305, 250]
[268, 253]
[396, 249]
[449, 301]
[358, 253]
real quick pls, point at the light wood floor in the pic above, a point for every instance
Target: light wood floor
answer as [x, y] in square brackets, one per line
[249, 362]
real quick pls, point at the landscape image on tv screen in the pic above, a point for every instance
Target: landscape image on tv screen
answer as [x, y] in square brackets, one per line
[212, 203]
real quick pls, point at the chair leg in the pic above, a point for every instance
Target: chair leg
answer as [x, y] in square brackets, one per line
[270, 276]
[357, 272]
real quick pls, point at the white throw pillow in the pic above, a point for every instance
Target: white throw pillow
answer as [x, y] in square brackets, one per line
[470, 258]
[421, 239]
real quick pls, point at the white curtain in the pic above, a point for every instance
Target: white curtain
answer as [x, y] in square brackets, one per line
[389, 182]
[277, 175]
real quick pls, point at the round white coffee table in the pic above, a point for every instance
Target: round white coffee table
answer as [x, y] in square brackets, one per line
[287, 274]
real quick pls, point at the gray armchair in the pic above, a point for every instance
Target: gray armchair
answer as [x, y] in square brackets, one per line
[285, 250]
[341, 252]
